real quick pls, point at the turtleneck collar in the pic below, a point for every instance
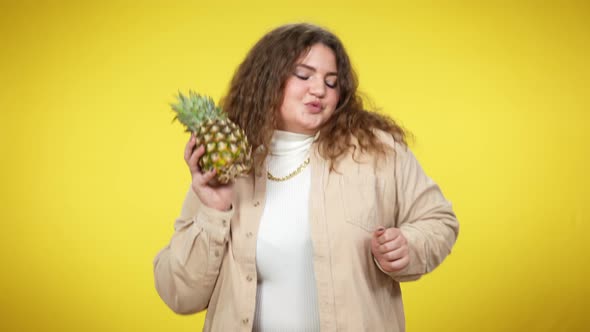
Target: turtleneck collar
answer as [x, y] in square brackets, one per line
[286, 143]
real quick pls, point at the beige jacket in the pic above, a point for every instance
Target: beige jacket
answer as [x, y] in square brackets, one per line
[210, 262]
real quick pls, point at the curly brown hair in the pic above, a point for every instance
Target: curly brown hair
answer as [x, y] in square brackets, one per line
[257, 89]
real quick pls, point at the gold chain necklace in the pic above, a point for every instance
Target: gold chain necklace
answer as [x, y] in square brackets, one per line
[290, 175]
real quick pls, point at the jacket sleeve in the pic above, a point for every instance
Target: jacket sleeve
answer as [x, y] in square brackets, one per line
[185, 271]
[424, 217]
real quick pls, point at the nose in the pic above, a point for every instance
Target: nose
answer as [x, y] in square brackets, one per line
[317, 87]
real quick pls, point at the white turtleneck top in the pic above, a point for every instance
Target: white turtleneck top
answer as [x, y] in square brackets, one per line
[286, 297]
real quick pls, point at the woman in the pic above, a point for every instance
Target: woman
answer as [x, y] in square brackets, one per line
[336, 214]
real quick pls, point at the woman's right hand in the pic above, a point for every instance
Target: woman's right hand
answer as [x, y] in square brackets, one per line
[219, 197]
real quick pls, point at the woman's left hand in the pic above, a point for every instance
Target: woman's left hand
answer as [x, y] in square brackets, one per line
[390, 248]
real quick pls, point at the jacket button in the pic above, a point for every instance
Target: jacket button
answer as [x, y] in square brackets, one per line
[256, 203]
[249, 278]
[245, 321]
[249, 234]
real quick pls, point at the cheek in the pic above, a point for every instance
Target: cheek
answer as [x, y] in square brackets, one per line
[294, 88]
[334, 99]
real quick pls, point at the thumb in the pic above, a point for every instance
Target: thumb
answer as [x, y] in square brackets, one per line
[379, 231]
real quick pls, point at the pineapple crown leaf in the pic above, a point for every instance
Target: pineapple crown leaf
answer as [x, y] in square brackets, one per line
[195, 109]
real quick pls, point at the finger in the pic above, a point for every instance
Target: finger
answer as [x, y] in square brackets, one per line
[188, 149]
[388, 235]
[394, 244]
[396, 254]
[378, 232]
[193, 161]
[206, 177]
[397, 265]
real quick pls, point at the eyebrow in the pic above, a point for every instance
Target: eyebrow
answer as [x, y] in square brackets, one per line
[313, 69]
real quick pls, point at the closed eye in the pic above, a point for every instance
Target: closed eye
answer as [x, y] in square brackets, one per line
[302, 77]
[329, 83]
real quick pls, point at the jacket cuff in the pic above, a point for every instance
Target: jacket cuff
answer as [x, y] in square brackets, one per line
[199, 218]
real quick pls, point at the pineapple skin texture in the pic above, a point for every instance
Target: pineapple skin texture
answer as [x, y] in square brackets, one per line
[227, 150]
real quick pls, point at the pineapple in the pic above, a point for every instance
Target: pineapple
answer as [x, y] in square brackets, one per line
[226, 145]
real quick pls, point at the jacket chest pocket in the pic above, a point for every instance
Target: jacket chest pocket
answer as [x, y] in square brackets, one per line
[360, 201]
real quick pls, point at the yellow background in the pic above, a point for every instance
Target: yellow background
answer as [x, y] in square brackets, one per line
[496, 94]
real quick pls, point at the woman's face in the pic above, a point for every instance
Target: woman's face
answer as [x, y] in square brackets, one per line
[311, 92]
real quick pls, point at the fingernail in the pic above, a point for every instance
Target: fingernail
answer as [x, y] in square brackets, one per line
[380, 229]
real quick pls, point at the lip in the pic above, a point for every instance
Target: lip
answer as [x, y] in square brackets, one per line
[314, 106]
